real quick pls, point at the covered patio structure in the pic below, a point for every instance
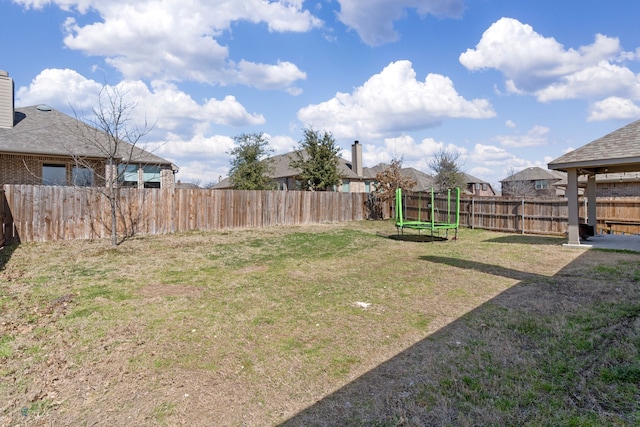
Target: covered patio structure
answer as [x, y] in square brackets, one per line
[617, 152]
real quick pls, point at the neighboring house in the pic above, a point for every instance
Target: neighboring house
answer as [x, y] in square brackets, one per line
[610, 184]
[355, 178]
[42, 146]
[187, 186]
[477, 187]
[533, 182]
[424, 181]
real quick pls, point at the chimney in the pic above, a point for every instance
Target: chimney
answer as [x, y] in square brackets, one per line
[356, 158]
[6, 100]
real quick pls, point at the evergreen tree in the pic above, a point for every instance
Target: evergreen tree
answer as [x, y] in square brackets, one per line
[317, 161]
[250, 167]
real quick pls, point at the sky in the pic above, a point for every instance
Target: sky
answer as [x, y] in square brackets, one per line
[504, 84]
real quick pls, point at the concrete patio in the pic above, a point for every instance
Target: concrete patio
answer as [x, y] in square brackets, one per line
[629, 242]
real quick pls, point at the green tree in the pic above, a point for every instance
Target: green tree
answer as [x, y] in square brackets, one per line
[446, 170]
[317, 161]
[250, 166]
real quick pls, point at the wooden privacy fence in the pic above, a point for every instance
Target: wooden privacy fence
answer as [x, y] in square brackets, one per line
[47, 213]
[513, 215]
[535, 216]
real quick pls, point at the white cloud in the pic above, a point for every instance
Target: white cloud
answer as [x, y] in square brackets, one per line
[199, 147]
[181, 126]
[61, 89]
[266, 76]
[163, 104]
[510, 124]
[281, 144]
[613, 108]
[542, 66]
[536, 136]
[592, 82]
[200, 158]
[373, 19]
[176, 40]
[393, 101]
[493, 163]
[490, 154]
[413, 154]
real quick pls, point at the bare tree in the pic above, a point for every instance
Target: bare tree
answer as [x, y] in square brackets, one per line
[113, 136]
[518, 187]
[446, 169]
[391, 179]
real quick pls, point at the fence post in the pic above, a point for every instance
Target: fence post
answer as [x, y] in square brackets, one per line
[473, 213]
[523, 215]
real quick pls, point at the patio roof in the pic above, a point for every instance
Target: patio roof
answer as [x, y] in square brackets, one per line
[616, 152]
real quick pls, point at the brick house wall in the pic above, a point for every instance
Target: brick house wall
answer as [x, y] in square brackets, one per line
[618, 189]
[26, 169]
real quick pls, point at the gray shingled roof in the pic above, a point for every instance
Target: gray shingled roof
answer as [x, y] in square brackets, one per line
[281, 165]
[618, 151]
[424, 181]
[39, 131]
[470, 179]
[534, 174]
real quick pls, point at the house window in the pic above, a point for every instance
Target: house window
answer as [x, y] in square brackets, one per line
[128, 175]
[151, 176]
[367, 186]
[345, 186]
[477, 186]
[82, 177]
[54, 174]
[542, 184]
[484, 187]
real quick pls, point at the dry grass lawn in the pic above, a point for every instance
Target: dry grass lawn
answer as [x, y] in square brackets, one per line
[341, 324]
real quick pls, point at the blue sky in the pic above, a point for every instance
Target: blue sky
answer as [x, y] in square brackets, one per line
[507, 84]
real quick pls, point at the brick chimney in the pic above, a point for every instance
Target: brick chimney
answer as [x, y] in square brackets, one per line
[356, 158]
[6, 100]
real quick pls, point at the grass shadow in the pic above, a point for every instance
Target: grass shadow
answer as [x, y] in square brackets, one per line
[5, 254]
[547, 342]
[495, 270]
[418, 238]
[529, 239]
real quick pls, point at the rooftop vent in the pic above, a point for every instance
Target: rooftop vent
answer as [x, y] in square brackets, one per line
[43, 107]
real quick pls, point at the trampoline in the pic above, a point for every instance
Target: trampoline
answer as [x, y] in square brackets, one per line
[452, 215]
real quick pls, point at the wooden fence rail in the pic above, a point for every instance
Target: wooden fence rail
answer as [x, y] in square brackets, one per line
[48, 213]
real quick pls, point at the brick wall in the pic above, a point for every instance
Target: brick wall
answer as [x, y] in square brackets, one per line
[27, 170]
[618, 189]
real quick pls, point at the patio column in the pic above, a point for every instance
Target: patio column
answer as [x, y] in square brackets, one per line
[591, 203]
[573, 228]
